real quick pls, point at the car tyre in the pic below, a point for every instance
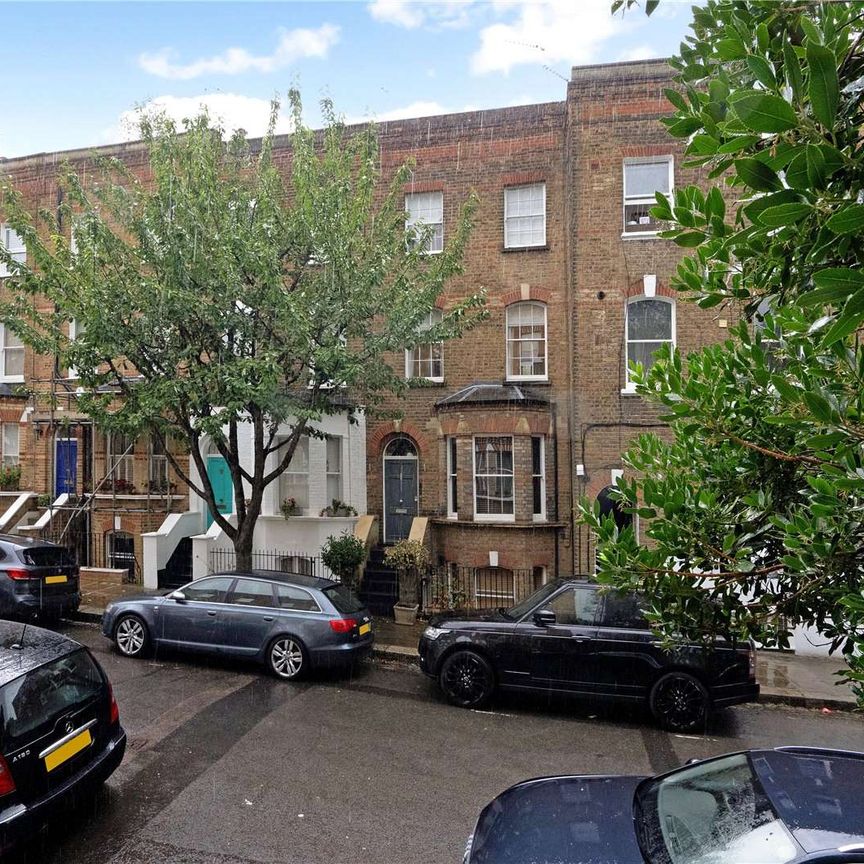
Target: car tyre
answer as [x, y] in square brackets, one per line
[131, 636]
[680, 702]
[287, 657]
[467, 679]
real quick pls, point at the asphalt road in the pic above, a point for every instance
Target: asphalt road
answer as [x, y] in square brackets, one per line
[228, 766]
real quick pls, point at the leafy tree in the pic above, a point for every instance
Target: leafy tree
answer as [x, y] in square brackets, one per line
[754, 510]
[226, 290]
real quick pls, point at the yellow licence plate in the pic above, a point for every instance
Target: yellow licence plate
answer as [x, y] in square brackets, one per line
[68, 750]
[365, 628]
[54, 580]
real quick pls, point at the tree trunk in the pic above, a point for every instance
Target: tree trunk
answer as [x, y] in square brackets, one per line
[243, 550]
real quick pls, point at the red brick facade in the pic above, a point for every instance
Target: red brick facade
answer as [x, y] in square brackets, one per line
[579, 278]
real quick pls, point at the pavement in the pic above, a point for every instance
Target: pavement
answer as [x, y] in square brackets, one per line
[227, 765]
[784, 678]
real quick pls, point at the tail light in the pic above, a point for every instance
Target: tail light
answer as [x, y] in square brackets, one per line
[7, 784]
[342, 625]
[750, 651]
[115, 711]
[17, 574]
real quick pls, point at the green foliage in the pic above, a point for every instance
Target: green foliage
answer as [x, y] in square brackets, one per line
[227, 290]
[343, 555]
[754, 511]
[338, 508]
[10, 477]
[409, 557]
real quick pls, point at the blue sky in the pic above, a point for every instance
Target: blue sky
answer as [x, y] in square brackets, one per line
[76, 72]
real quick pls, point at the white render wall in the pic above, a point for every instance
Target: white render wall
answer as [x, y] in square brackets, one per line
[353, 466]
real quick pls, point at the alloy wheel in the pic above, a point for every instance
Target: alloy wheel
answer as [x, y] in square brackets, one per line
[466, 679]
[680, 701]
[130, 636]
[286, 657]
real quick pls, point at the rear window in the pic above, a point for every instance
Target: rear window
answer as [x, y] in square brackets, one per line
[38, 698]
[344, 599]
[46, 556]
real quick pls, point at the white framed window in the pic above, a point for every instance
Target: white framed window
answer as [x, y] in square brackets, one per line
[493, 478]
[642, 179]
[426, 213]
[526, 342]
[650, 324]
[76, 330]
[452, 480]
[11, 356]
[334, 469]
[538, 478]
[13, 244]
[157, 467]
[525, 216]
[294, 483]
[426, 361]
[121, 449]
[11, 445]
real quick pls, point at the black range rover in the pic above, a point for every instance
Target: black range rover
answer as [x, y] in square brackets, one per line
[60, 732]
[570, 637]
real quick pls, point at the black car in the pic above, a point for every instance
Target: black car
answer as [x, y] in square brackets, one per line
[784, 806]
[570, 637]
[37, 579]
[60, 732]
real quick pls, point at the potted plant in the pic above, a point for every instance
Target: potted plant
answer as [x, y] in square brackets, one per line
[407, 557]
[289, 508]
[343, 555]
[338, 508]
[10, 478]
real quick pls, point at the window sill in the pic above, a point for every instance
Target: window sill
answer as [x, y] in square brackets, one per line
[11, 379]
[527, 379]
[629, 391]
[545, 247]
[641, 235]
[496, 518]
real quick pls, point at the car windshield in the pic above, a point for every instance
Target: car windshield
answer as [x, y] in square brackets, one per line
[523, 608]
[712, 813]
[344, 599]
[43, 694]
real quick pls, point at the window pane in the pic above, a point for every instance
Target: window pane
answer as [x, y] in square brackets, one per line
[453, 478]
[525, 215]
[649, 319]
[575, 606]
[294, 483]
[208, 590]
[297, 599]
[251, 592]
[427, 209]
[623, 610]
[526, 340]
[10, 443]
[494, 475]
[642, 352]
[334, 469]
[643, 179]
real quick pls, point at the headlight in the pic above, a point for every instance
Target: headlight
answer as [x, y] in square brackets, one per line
[434, 632]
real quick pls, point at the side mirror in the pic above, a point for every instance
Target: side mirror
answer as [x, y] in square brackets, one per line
[544, 618]
[179, 596]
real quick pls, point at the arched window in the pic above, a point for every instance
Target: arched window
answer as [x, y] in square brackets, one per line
[650, 324]
[526, 342]
[426, 361]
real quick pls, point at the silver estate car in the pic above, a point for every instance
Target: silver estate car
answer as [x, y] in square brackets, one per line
[288, 622]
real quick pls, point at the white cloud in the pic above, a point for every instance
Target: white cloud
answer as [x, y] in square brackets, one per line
[293, 45]
[640, 52]
[412, 14]
[415, 109]
[545, 32]
[232, 110]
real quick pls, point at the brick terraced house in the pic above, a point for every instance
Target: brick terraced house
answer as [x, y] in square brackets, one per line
[507, 426]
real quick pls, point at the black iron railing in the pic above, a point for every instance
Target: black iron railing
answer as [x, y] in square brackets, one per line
[454, 587]
[298, 563]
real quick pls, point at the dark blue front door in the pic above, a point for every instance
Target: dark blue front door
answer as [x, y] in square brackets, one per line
[66, 466]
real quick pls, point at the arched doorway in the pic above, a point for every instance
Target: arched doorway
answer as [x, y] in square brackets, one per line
[401, 490]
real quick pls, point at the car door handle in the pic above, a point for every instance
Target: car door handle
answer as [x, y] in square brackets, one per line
[211, 614]
[268, 618]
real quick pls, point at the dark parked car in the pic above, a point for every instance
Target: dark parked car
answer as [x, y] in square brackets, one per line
[288, 622]
[570, 637]
[783, 806]
[37, 579]
[60, 733]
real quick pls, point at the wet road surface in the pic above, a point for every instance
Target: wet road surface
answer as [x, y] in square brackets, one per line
[227, 765]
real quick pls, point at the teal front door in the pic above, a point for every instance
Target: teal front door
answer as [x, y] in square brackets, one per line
[220, 480]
